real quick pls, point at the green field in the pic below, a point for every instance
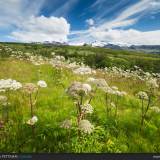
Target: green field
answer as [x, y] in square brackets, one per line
[122, 124]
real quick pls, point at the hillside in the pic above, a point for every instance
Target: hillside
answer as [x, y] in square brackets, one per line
[94, 56]
[51, 102]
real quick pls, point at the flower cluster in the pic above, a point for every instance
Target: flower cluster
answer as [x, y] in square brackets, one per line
[42, 84]
[102, 84]
[142, 95]
[78, 88]
[152, 83]
[135, 73]
[85, 126]
[87, 108]
[32, 121]
[9, 84]
[83, 70]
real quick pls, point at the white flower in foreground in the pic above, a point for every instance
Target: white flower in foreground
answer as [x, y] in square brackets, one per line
[32, 121]
[87, 108]
[9, 84]
[87, 87]
[42, 84]
[85, 126]
[66, 124]
[152, 83]
[142, 95]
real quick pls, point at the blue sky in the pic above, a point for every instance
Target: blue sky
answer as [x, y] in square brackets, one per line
[78, 21]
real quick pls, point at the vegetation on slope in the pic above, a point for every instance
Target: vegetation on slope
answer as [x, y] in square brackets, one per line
[112, 133]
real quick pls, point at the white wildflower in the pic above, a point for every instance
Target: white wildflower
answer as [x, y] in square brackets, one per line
[32, 121]
[78, 88]
[85, 126]
[152, 83]
[9, 84]
[87, 87]
[42, 84]
[87, 108]
[83, 70]
[142, 95]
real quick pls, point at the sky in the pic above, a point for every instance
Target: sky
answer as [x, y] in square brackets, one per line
[77, 21]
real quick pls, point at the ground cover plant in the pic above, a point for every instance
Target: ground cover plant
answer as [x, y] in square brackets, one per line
[66, 99]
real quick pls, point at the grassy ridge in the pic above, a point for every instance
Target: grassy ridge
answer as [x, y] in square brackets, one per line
[96, 57]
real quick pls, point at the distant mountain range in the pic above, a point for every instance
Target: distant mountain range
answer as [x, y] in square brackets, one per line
[144, 48]
[119, 46]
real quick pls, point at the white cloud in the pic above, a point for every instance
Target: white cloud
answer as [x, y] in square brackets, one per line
[42, 29]
[21, 17]
[130, 36]
[12, 12]
[90, 22]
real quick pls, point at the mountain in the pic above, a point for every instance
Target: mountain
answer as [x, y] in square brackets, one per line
[122, 46]
[50, 43]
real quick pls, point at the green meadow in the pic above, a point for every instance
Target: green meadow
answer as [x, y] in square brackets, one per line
[122, 132]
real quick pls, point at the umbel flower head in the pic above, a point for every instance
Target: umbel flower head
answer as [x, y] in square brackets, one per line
[87, 108]
[30, 88]
[9, 84]
[67, 124]
[152, 83]
[142, 95]
[85, 126]
[42, 84]
[78, 88]
[32, 121]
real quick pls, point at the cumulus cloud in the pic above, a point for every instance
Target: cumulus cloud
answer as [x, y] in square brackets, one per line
[42, 29]
[90, 22]
[22, 19]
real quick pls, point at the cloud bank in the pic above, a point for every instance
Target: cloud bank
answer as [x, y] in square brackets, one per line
[41, 29]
